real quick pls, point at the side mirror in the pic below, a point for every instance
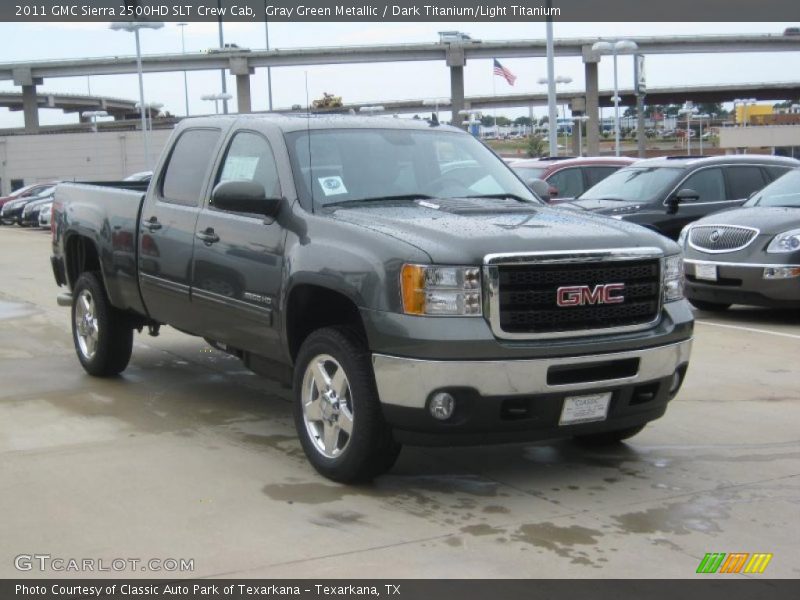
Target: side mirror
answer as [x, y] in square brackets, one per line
[244, 197]
[540, 188]
[684, 195]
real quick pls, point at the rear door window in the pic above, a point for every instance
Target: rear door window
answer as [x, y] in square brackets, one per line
[708, 183]
[595, 175]
[743, 181]
[188, 165]
[568, 182]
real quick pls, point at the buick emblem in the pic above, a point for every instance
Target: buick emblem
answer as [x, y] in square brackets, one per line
[715, 235]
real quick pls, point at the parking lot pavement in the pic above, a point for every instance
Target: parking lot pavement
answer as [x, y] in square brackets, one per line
[188, 455]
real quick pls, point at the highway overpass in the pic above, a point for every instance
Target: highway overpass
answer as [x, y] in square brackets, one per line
[242, 62]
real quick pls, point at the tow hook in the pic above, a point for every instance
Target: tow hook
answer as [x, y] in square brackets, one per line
[154, 330]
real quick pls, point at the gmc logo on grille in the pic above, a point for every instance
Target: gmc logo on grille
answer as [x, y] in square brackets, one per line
[581, 295]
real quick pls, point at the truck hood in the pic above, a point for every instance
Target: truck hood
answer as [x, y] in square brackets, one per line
[461, 231]
[767, 219]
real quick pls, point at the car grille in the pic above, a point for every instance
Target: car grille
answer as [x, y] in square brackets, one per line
[527, 295]
[721, 238]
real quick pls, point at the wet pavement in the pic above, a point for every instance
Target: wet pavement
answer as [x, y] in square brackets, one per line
[189, 455]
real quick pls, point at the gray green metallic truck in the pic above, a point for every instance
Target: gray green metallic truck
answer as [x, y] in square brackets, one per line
[396, 273]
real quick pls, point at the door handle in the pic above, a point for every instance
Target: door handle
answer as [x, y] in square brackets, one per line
[152, 224]
[208, 236]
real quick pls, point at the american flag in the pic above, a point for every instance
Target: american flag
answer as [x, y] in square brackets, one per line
[503, 72]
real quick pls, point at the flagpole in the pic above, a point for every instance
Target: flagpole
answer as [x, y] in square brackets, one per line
[494, 96]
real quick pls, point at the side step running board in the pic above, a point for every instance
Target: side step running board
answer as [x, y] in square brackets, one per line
[64, 299]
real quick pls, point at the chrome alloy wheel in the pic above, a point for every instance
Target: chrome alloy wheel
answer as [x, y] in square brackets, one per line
[327, 405]
[86, 326]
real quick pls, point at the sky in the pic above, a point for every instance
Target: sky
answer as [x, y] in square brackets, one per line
[369, 82]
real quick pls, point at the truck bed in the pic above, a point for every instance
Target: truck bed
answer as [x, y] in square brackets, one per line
[108, 214]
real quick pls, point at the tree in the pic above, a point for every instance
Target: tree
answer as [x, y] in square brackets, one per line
[503, 121]
[523, 122]
[487, 120]
[536, 146]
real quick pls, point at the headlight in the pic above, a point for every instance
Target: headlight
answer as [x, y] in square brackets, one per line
[441, 291]
[788, 241]
[682, 237]
[672, 268]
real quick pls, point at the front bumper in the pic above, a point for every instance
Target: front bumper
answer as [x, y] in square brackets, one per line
[742, 283]
[507, 400]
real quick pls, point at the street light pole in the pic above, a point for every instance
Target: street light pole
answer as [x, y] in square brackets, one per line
[615, 48]
[547, 80]
[552, 110]
[222, 71]
[135, 27]
[185, 80]
[269, 69]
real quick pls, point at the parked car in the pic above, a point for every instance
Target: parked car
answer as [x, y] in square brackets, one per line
[45, 215]
[11, 213]
[666, 194]
[407, 298]
[30, 212]
[568, 177]
[25, 192]
[748, 255]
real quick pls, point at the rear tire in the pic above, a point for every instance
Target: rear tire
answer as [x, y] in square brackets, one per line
[709, 306]
[102, 335]
[608, 438]
[337, 411]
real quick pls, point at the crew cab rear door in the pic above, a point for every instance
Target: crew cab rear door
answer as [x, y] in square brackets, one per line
[238, 258]
[167, 227]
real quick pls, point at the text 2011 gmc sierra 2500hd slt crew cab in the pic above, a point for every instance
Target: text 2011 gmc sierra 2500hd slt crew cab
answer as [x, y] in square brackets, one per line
[397, 273]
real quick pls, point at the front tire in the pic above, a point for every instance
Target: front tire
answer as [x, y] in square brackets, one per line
[709, 306]
[337, 411]
[608, 438]
[102, 336]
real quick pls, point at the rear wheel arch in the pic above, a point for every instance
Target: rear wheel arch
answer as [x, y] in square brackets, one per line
[81, 256]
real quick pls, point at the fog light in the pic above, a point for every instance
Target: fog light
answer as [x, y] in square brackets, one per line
[781, 272]
[442, 406]
[676, 383]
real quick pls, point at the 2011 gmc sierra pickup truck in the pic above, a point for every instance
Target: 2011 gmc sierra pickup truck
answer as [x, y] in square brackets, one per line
[396, 273]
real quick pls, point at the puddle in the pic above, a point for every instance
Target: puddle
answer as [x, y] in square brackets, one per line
[561, 540]
[16, 310]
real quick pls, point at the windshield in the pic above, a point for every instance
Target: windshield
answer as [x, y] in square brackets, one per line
[634, 184]
[352, 165]
[528, 173]
[784, 191]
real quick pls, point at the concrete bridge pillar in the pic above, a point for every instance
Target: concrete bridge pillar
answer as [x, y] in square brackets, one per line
[590, 63]
[242, 71]
[30, 105]
[456, 60]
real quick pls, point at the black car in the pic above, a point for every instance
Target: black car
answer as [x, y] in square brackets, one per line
[30, 212]
[11, 213]
[748, 255]
[666, 194]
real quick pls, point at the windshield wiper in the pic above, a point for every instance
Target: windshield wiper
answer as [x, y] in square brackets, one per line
[379, 199]
[501, 197]
[604, 198]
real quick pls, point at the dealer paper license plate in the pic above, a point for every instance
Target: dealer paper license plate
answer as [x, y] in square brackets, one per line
[707, 272]
[585, 409]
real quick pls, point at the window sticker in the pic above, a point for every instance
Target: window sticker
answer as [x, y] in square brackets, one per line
[239, 168]
[332, 186]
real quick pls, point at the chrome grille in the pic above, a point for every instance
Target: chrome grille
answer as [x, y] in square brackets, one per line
[527, 296]
[721, 238]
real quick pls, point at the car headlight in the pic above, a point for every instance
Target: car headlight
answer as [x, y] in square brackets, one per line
[683, 236]
[672, 269]
[441, 291]
[788, 241]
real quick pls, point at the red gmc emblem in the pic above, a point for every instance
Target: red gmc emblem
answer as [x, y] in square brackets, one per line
[581, 295]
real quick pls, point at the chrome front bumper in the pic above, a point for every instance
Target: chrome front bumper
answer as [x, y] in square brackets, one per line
[409, 382]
